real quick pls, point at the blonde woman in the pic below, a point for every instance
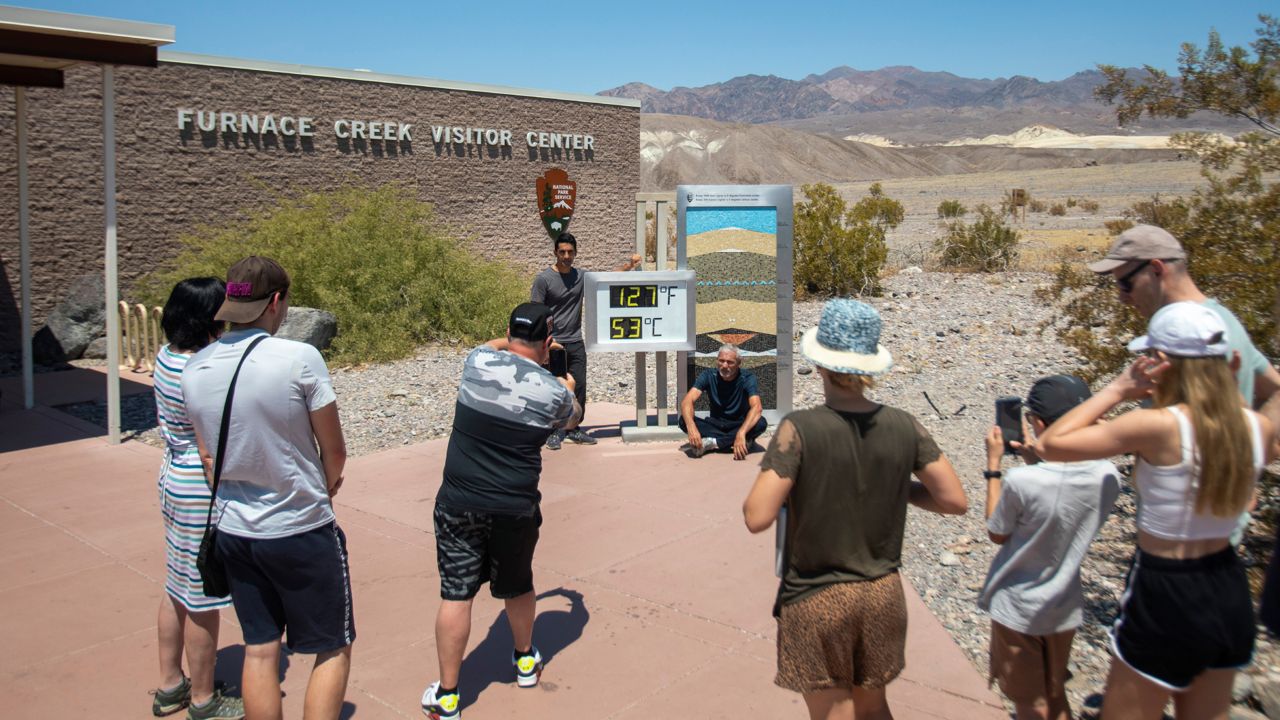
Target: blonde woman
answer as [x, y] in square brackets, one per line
[1186, 618]
[844, 471]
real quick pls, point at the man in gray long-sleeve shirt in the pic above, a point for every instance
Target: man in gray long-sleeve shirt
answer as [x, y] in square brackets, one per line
[560, 288]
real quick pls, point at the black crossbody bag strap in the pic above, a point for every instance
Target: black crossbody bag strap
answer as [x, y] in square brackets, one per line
[226, 425]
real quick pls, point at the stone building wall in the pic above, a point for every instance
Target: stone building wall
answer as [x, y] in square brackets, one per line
[171, 179]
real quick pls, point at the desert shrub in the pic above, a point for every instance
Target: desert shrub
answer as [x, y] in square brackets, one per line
[1115, 227]
[378, 259]
[1089, 206]
[1154, 212]
[1037, 206]
[841, 250]
[1071, 202]
[1230, 232]
[1057, 209]
[987, 245]
[951, 209]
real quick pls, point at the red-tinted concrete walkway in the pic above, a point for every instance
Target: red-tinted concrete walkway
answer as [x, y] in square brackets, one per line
[656, 600]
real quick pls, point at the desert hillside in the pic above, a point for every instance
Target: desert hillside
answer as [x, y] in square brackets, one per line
[678, 149]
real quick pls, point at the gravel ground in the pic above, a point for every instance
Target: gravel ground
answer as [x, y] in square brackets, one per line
[964, 339]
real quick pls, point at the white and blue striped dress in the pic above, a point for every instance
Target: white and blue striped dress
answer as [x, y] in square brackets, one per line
[184, 494]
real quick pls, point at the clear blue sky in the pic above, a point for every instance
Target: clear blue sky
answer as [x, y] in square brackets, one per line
[591, 46]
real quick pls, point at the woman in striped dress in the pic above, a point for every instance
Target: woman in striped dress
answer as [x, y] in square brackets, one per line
[188, 620]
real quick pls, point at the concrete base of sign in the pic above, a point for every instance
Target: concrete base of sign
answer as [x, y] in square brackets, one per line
[653, 433]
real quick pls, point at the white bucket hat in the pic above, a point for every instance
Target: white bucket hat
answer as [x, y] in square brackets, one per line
[847, 339]
[1184, 329]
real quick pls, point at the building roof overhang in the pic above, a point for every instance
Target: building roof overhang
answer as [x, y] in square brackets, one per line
[37, 45]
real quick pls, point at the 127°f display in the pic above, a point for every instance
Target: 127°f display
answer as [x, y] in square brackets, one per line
[633, 296]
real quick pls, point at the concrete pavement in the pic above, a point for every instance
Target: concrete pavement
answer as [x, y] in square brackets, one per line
[653, 596]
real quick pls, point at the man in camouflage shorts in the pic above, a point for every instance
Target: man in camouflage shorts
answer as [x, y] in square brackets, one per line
[486, 515]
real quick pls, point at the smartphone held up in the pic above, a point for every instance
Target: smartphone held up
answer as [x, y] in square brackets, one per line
[1009, 419]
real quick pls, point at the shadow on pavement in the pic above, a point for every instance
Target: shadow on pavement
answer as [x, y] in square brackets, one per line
[553, 631]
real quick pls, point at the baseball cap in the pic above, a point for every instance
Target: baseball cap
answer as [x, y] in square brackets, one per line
[1184, 329]
[1053, 396]
[250, 285]
[530, 322]
[1140, 242]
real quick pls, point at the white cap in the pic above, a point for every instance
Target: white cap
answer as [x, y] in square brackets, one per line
[1184, 329]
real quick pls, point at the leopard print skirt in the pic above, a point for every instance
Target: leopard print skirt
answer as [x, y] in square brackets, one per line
[846, 635]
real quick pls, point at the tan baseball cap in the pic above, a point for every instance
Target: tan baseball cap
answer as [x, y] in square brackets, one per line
[250, 285]
[1140, 242]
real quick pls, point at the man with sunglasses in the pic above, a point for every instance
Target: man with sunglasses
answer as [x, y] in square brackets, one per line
[1150, 269]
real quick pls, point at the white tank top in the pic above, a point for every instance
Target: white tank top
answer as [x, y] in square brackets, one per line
[1167, 493]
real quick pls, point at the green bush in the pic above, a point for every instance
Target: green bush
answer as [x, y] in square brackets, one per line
[987, 245]
[951, 209]
[1232, 239]
[1071, 202]
[1057, 209]
[841, 250]
[378, 259]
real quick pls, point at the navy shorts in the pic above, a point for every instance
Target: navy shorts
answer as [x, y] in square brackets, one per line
[474, 547]
[1179, 618]
[298, 584]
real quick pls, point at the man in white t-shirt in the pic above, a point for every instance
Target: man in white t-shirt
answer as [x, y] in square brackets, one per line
[286, 558]
[1043, 516]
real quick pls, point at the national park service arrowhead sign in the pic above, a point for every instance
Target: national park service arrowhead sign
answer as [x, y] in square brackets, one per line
[557, 196]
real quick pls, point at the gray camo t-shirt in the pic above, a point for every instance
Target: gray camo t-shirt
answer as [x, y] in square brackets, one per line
[506, 408]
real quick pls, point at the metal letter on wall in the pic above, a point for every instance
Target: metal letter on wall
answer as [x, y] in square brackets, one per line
[737, 239]
[557, 196]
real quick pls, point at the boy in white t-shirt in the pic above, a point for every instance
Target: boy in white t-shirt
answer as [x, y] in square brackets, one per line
[1043, 516]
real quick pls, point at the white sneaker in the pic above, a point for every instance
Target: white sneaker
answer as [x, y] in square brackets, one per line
[440, 707]
[528, 668]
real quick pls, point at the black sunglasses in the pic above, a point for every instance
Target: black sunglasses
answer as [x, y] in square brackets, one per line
[1125, 282]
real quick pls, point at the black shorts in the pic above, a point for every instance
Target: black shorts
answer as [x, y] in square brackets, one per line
[474, 547]
[1179, 618]
[298, 583]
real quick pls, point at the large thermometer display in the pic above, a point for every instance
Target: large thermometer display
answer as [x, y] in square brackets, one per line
[639, 311]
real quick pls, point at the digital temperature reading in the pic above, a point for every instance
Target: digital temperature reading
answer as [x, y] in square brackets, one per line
[639, 311]
[626, 328]
[633, 296]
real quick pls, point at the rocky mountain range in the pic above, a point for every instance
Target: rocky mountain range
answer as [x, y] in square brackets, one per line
[905, 104]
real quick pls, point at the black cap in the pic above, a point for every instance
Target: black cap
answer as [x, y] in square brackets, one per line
[530, 322]
[1053, 396]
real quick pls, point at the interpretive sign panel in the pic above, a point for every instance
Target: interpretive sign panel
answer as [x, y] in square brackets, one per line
[638, 311]
[737, 238]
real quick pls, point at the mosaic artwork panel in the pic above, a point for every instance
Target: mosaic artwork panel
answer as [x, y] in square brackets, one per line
[734, 253]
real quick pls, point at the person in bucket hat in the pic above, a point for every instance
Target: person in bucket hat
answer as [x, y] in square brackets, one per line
[844, 472]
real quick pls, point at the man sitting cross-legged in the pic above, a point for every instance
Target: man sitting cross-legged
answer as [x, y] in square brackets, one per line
[736, 418]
